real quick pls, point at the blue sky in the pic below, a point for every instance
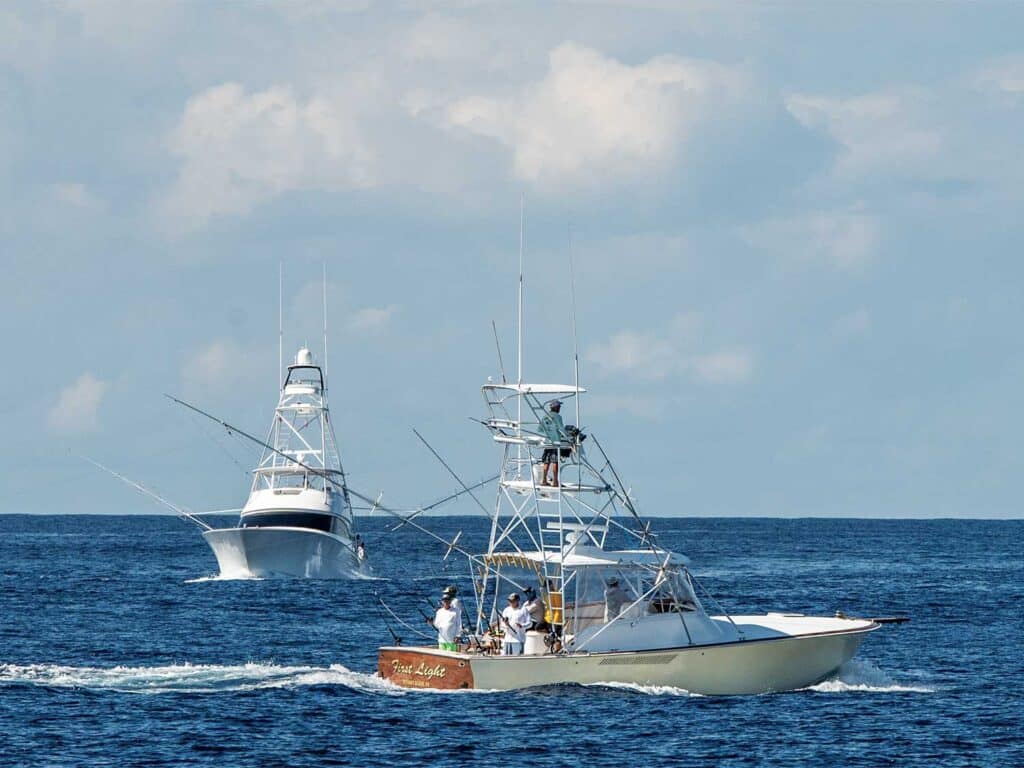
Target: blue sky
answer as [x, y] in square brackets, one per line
[796, 233]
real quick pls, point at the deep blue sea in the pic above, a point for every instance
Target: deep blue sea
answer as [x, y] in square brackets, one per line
[117, 648]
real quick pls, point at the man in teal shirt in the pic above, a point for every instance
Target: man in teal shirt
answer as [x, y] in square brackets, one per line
[554, 430]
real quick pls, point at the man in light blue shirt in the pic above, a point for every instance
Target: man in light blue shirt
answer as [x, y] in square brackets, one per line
[554, 430]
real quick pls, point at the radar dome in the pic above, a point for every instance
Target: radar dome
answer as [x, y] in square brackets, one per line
[304, 357]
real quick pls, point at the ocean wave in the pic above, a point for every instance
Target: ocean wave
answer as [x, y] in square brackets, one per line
[863, 676]
[192, 678]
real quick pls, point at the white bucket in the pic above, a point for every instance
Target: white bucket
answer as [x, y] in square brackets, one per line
[538, 474]
[534, 645]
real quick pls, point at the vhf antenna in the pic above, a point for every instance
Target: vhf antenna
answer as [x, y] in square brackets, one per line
[575, 346]
[280, 320]
[324, 366]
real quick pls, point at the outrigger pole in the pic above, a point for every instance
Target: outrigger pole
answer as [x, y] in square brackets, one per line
[451, 471]
[182, 512]
[445, 500]
[497, 345]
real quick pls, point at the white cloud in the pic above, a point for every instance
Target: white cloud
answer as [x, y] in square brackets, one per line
[372, 319]
[592, 116]
[724, 367]
[1004, 75]
[77, 408]
[658, 356]
[881, 131]
[843, 239]
[644, 354]
[76, 195]
[434, 37]
[240, 148]
[220, 366]
[952, 140]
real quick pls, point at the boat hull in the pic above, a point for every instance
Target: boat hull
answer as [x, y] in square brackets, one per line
[733, 668]
[282, 552]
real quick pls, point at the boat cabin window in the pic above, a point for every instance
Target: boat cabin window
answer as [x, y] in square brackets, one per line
[604, 593]
[309, 520]
[298, 481]
[289, 481]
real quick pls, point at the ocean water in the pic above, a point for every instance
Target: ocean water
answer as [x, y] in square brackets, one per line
[116, 648]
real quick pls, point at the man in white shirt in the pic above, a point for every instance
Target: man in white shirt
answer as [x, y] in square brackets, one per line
[514, 620]
[452, 592]
[446, 622]
[615, 599]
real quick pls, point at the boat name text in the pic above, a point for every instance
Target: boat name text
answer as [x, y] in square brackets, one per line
[422, 670]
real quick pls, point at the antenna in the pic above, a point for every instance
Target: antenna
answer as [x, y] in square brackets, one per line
[575, 346]
[497, 344]
[522, 213]
[324, 366]
[280, 319]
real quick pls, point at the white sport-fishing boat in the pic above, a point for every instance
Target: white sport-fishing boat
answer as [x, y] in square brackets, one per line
[655, 632]
[297, 521]
[619, 607]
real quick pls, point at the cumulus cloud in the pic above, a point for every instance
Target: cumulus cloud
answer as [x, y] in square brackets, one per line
[591, 115]
[955, 135]
[77, 408]
[659, 356]
[886, 130]
[239, 148]
[220, 366]
[843, 239]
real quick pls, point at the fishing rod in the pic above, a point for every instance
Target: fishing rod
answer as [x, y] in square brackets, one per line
[181, 511]
[400, 620]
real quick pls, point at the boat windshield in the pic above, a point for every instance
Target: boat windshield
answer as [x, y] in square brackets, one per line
[604, 593]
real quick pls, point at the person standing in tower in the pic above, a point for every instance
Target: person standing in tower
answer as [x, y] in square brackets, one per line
[554, 430]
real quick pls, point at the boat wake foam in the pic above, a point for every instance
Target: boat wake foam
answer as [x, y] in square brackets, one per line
[648, 690]
[192, 678]
[863, 676]
[218, 577]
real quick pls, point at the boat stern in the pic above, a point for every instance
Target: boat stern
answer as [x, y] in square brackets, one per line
[432, 668]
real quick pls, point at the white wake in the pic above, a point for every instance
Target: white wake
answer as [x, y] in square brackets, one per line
[191, 678]
[863, 676]
[218, 577]
[649, 690]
